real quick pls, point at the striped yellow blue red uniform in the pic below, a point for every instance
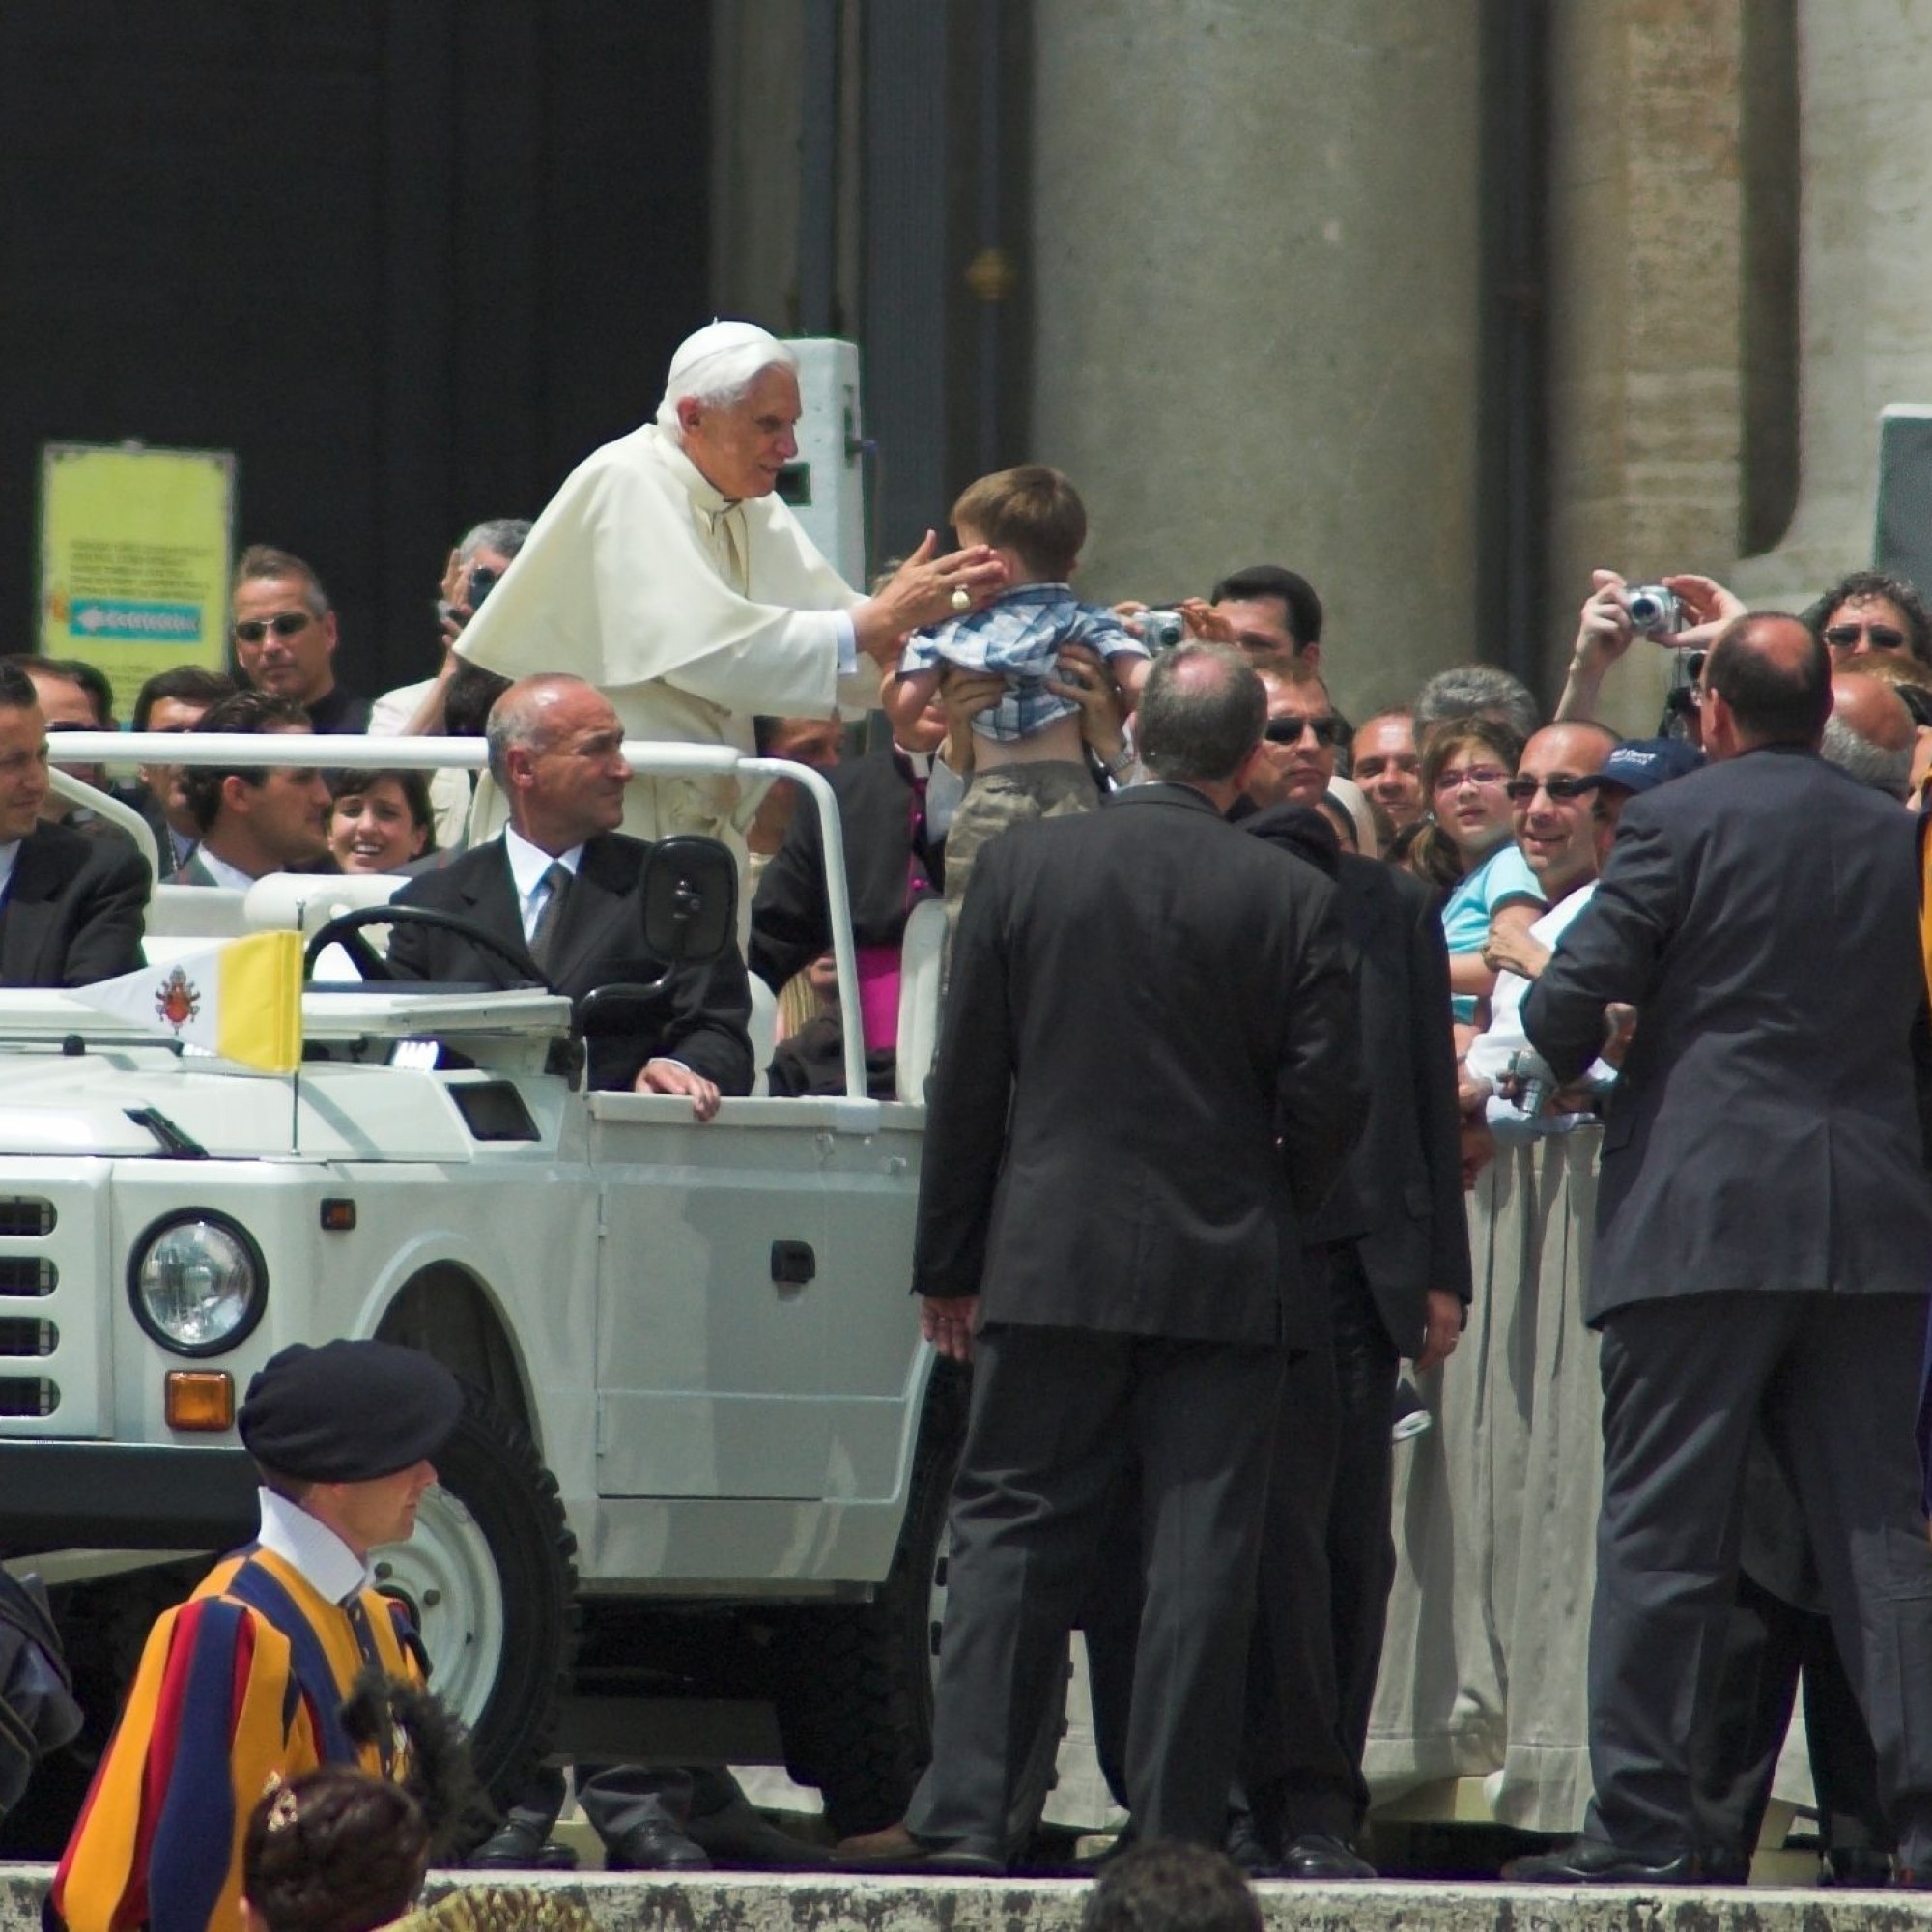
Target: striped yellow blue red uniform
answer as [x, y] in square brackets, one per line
[241, 1682]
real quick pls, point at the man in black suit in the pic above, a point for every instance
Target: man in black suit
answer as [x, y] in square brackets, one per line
[71, 906]
[1762, 1228]
[560, 885]
[1393, 1243]
[1146, 1084]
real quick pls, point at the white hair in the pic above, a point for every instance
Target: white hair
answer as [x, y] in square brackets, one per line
[720, 375]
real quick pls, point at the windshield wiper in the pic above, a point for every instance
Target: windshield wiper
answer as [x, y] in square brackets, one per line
[175, 1144]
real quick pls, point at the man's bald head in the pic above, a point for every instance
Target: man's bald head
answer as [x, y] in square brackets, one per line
[1871, 734]
[1201, 715]
[1773, 678]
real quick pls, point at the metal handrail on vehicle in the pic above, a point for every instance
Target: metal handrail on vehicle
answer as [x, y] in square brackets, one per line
[647, 758]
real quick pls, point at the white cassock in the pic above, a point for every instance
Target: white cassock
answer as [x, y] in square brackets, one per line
[689, 611]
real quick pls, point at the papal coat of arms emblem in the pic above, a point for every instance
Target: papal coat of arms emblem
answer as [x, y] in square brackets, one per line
[178, 999]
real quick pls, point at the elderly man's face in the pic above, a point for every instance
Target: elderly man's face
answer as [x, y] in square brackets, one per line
[569, 785]
[23, 769]
[740, 447]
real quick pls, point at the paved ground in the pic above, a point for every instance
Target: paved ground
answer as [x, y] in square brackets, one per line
[741, 1903]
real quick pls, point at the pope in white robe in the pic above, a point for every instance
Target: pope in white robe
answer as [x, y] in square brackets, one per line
[668, 573]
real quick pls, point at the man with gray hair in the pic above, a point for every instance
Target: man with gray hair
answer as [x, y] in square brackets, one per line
[1147, 1082]
[476, 566]
[669, 573]
[1477, 691]
[1871, 734]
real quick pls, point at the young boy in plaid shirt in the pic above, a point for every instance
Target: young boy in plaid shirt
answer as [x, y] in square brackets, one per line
[1028, 759]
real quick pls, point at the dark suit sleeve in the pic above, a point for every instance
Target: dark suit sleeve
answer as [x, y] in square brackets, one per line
[972, 1087]
[706, 1028]
[1321, 1103]
[412, 947]
[1438, 1120]
[1611, 951]
[790, 926]
[112, 899]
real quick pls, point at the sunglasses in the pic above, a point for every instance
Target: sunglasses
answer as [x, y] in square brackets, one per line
[1561, 788]
[254, 629]
[1288, 730]
[1884, 636]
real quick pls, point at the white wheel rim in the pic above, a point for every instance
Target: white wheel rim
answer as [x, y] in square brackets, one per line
[447, 1578]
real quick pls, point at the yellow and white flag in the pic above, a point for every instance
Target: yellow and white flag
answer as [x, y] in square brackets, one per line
[241, 999]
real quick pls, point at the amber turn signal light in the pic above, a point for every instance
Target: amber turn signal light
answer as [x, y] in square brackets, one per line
[200, 1399]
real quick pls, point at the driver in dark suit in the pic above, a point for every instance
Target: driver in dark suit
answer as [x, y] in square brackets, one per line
[559, 885]
[70, 905]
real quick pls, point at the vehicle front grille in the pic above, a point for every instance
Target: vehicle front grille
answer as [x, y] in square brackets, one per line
[28, 1394]
[25, 1214]
[27, 1274]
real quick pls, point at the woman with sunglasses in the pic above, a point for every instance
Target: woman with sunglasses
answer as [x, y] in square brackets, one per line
[1466, 774]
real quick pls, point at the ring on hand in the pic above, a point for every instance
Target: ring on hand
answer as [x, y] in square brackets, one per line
[962, 599]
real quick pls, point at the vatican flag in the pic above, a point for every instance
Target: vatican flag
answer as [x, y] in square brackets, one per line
[241, 999]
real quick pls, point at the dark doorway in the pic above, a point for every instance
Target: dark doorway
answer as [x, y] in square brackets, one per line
[409, 259]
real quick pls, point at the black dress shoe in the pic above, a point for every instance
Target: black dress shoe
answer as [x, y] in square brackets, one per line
[518, 1846]
[1315, 1855]
[1861, 1867]
[737, 1837]
[1248, 1848]
[895, 1850]
[1597, 1862]
[656, 1845]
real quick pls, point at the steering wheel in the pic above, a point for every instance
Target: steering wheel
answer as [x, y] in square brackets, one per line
[345, 929]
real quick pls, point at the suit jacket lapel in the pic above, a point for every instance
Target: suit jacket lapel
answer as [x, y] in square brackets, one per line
[490, 894]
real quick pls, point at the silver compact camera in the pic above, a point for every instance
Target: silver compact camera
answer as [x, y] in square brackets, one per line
[1653, 611]
[1535, 1083]
[1162, 630]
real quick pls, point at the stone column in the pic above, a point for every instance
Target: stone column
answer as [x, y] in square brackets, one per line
[1865, 280]
[1644, 310]
[1256, 254]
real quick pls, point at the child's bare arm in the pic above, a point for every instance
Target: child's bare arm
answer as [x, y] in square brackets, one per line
[904, 695]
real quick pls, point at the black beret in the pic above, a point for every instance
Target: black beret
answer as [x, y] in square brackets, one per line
[349, 1411]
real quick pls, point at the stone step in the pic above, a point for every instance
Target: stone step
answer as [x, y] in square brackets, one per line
[818, 1902]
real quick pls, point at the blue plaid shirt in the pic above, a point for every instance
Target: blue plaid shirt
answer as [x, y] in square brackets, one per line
[1019, 635]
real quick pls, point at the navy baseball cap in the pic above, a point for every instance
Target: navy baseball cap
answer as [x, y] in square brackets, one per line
[1639, 764]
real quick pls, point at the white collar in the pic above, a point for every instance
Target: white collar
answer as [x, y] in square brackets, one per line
[8, 854]
[698, 487]
[327, 1563]
[529, 863]
[221, 871]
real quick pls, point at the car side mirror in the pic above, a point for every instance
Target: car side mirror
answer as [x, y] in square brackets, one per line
[689, 914]
[690, 898]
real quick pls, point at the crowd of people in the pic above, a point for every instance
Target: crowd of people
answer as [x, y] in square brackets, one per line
[1241, 998]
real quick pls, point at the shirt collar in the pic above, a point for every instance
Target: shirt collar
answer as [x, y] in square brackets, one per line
[328, 1564]
[223, 872]
[8, 854]
[699, 488]
[529, 863]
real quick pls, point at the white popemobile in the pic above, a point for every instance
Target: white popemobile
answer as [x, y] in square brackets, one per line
[694, 1508]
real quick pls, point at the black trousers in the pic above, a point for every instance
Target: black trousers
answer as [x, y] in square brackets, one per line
[1836, 1381]
[1770, 1646]
[1327, 1566]
[1058, 1417]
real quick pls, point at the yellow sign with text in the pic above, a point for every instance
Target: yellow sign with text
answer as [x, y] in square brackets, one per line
[135, 546]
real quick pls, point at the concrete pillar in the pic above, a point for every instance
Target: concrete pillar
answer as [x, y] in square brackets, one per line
[1865, 91]
[1256, 258]
[1644, 225]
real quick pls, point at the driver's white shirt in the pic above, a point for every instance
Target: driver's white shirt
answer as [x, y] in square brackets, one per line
[527, 865]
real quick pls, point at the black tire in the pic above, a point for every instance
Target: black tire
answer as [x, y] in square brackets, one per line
[490, 1581]
[855, 1702]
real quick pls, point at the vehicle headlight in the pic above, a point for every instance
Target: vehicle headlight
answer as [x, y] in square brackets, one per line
[197, 1282]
